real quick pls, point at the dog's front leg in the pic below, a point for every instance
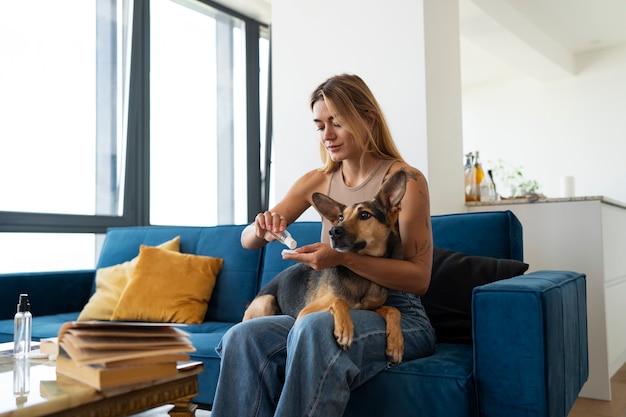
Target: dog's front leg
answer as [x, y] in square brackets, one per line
[395, 339]
[344, 328]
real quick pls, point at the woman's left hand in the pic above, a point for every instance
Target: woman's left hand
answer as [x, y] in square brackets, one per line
[317, 255]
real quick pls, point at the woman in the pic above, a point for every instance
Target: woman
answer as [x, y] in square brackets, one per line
[275, 366]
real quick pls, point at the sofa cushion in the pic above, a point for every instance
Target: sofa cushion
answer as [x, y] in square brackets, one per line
[449, 297]
[168, 286]
[497, 234]
[238, 282]
[110, 282]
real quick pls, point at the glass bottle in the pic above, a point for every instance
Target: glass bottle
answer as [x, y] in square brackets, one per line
[480, 174]
[493, 193]
[470, 178]
[22, 331]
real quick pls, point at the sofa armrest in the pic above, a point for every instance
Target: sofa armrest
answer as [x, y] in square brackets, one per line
[530, 344]
[49, 292]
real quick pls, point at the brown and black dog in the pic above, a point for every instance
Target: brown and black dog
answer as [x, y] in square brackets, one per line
[368, 228]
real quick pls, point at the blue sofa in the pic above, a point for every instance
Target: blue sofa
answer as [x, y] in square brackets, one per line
[528, 350]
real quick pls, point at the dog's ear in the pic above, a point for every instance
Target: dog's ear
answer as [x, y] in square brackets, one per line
[328, 207]
[392, 190]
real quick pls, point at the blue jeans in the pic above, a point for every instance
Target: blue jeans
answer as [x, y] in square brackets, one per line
[276, 366]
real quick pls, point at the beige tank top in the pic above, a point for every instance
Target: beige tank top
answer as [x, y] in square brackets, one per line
[339, 191]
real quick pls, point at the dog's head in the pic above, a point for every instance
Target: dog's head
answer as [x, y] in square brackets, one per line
[369, 227]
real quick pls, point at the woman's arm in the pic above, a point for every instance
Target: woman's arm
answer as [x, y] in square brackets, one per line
[411, 274]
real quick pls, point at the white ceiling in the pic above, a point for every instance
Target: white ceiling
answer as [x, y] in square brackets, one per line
[539, 38]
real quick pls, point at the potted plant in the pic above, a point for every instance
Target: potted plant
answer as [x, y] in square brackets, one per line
[510, 180]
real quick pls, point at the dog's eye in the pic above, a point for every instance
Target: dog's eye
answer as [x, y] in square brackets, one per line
[341, 217]
[364, 215]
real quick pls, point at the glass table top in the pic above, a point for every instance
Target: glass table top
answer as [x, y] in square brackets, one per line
[29, 386]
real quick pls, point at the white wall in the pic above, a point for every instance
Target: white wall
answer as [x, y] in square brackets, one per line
[384, 43]
[572, 126]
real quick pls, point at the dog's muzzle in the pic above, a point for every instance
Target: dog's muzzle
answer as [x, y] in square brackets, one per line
[342, 241]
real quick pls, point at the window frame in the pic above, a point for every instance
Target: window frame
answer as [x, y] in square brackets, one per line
[136, 208]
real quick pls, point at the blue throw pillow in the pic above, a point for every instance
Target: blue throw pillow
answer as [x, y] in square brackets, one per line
[448, 301]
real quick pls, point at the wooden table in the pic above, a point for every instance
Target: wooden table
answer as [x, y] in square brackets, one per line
[31, 388]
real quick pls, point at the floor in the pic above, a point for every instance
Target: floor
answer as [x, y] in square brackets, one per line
[583, 407]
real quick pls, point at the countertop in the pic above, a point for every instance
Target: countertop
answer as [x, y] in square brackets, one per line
[539, 200]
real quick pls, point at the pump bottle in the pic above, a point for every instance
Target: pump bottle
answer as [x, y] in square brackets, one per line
[23, 327]
[286, 239]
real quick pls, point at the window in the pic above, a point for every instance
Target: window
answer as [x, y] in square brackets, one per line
[60, 107]
[197, 115]
[106, 123]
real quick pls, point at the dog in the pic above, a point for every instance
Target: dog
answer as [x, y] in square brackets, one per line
[368, 228]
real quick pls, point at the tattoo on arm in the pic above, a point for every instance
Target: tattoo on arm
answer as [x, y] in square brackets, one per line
[420, 250]
[427, 244]
[412, 175]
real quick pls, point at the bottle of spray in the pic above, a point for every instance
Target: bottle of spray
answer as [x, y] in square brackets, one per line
[23, 327]
[286, 239]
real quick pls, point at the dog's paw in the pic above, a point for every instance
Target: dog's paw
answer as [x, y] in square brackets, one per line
[343, 340]
[394, 355]
[344, 334]
[395, 348]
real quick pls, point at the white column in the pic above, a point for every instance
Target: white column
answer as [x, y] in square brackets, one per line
[408, 53]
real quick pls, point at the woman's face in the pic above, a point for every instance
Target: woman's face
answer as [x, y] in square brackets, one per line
[339, 143]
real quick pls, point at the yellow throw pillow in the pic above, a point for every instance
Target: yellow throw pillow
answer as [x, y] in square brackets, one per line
[110, 282]
[168, 287]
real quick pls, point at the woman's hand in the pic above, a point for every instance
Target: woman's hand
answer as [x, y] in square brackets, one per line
[269, 224]
[317, 255]
[264, 229]
[278, 218]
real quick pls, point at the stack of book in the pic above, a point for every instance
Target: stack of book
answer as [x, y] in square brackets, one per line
[109, 354]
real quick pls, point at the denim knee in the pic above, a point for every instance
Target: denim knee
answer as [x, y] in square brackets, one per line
[257, 333]
[314, 326]
[234, 333]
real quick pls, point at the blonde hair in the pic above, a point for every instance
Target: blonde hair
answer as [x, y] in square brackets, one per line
[351, 101]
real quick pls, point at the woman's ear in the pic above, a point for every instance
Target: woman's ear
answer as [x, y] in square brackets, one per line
[371, 118]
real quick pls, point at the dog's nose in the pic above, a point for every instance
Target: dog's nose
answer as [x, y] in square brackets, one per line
[336, 231]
